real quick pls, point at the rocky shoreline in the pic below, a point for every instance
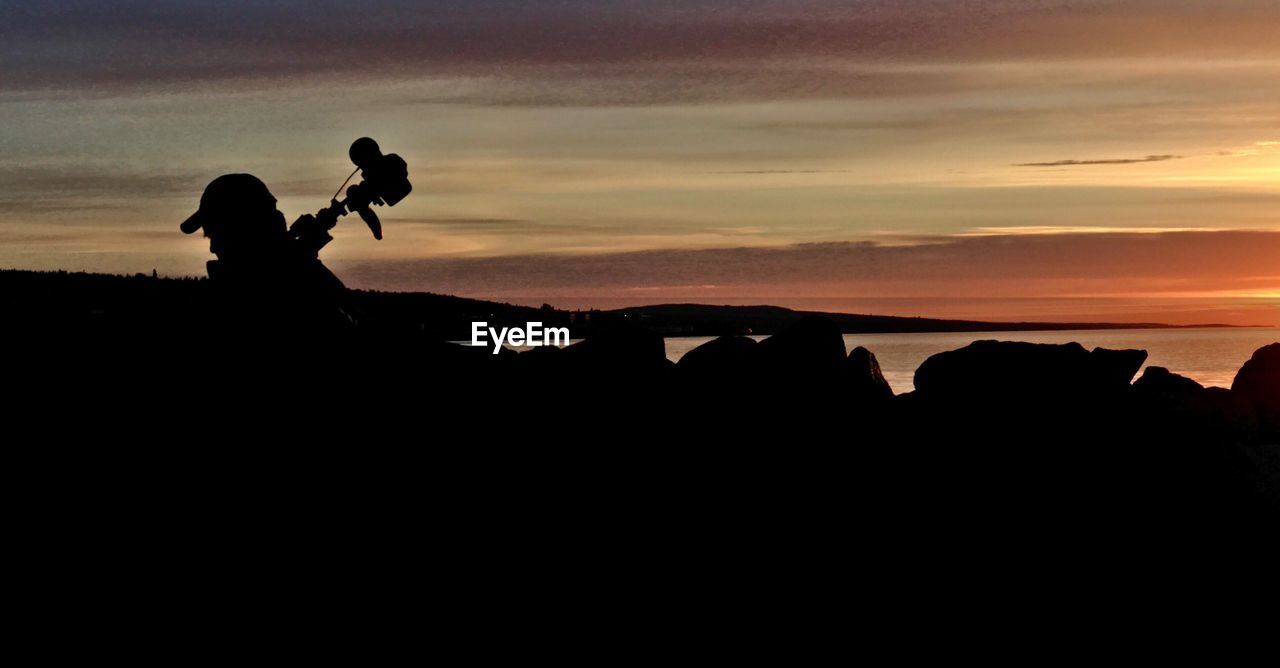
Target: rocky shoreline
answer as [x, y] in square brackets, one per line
[1036, 434]
[1002, 442]
[809, 361]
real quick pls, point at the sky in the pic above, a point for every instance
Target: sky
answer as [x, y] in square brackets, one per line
[1003, 159]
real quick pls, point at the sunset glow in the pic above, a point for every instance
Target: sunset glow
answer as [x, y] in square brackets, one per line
[1010, 159]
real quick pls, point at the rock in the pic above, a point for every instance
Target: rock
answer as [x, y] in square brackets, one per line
[1027, 372]
[1259, 378]
[1258, 382]
[811, 344]
[1159, 381]
[448, 363]
[540, 359]
[723, 357]
[1177, 407]
[1116, 368]
[865, 382]
[618, 348]
[611, 369]
[464, 357]
[1015, 371]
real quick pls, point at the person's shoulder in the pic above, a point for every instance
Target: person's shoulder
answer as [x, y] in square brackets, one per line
[317, 276]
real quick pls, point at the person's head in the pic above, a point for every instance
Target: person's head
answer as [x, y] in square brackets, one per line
[239, 216]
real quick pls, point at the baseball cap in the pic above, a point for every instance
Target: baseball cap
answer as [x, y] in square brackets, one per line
[230, 195]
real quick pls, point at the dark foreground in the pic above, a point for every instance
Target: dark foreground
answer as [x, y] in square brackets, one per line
[998, 433]
[789, 456]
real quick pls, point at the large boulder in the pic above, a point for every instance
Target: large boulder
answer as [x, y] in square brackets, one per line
[1177, 408]
[1116, 368]
[1018, 371]
[618, 348]
[541, 360]
[1157, 381]
[1258, 382]
[606, 374]
[812, 344]
[802, 367]
[865, 382]
[1259, 378]
[443, 356]
[723, 357]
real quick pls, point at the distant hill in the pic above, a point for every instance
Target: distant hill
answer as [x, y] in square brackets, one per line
[74, 300]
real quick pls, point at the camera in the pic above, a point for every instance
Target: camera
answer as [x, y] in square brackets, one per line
[384, 182]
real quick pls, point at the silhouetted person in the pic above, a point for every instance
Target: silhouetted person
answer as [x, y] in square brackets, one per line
[266, 276]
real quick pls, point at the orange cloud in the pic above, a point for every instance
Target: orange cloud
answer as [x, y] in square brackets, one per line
[1207, 267]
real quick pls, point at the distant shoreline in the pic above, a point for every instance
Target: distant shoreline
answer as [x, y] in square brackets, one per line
[450, 316]
[707, 320]
[1137, 328]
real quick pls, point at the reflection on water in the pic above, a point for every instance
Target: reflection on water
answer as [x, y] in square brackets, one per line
[1209, 356]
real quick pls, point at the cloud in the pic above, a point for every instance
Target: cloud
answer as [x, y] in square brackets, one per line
[47, 191]
[1115, 161]
[482, 225]
[50, 181]
[132, 43]
[1074, 229]
[784, 171]
[1012, 265]
[451, 222]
